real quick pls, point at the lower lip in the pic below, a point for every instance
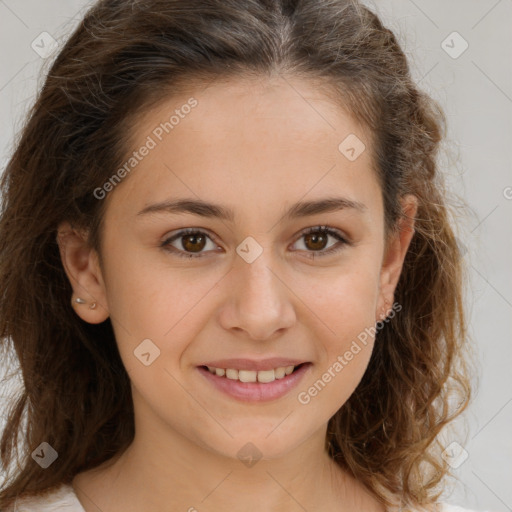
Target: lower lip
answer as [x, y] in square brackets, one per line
[256, 391]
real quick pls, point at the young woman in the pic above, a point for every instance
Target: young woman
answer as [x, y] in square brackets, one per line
[227, 268]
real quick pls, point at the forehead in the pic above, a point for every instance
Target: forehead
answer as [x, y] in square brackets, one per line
[271, 139]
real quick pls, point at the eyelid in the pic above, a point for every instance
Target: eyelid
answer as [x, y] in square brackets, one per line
[328, 230]
[166, 243]
[343, 240]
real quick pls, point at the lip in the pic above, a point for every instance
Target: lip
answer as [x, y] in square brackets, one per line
[256, 391]
[253, 364]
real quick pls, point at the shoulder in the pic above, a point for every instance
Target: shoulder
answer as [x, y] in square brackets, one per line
[446, 507]
[60, 499]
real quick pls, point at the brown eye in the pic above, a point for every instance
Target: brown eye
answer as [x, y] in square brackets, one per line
[189, 243]
[193, 243]
[315, 241]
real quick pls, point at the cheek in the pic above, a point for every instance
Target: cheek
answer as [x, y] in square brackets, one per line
[148, 299]
[342, 361]
[344, 308]
[342, 299]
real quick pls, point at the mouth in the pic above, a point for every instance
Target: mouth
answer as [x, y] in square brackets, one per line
[255, 385]
[263, 376]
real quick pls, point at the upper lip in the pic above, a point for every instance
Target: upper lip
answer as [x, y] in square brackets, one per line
[254, 364]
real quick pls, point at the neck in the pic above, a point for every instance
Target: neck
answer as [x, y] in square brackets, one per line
[163, 470]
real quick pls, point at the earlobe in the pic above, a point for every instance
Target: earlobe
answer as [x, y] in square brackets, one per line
[80, 263]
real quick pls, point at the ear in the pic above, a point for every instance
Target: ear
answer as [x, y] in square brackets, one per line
[82, 267]
[394, 255]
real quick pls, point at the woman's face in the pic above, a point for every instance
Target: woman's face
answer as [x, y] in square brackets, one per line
[249, 167]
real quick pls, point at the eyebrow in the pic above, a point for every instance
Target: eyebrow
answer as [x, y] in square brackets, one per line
[206, 209]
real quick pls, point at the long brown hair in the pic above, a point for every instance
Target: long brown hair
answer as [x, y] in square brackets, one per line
[127, 55]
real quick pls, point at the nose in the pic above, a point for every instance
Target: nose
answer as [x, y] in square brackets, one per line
[259, 300]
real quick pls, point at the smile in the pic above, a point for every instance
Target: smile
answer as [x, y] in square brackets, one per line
[255, 385]
[264, 376]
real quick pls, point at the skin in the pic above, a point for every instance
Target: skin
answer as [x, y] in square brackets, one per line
[256, 146]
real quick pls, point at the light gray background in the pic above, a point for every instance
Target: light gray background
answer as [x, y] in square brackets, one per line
[475, 90]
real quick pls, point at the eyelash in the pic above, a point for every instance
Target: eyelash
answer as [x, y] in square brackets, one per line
[324, 230]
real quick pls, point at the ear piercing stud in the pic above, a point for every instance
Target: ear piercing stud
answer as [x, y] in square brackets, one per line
[386, 304]
[78, 300]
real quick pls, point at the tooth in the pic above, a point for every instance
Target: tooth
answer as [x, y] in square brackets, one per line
[280, 372]
[247, 376]
[289, 369]
[231, 374]
[266, 376]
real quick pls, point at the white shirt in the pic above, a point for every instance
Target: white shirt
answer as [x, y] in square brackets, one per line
[64, 499]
